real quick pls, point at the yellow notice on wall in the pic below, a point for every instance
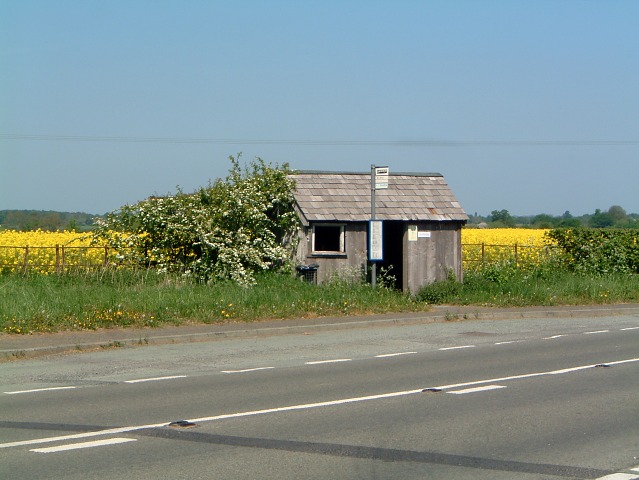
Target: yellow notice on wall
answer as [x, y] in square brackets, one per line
[412, 233]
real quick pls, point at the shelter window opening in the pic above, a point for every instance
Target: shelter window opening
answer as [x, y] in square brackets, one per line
[328, 238]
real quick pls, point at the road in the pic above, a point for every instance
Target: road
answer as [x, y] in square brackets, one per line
[503, 399]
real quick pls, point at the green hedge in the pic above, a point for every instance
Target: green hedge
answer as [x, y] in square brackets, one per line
[598, 251]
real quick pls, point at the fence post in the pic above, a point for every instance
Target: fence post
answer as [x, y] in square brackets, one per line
[106, 256]
[516, 256]
[62, 258]
[482, 253]
[25, 263]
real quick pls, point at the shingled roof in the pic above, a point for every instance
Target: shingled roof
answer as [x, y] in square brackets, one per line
[346, 197]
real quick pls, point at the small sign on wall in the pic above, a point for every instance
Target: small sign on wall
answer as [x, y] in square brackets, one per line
[414, 233]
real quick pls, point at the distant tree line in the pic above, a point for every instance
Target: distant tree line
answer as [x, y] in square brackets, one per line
[29, 220]
[614, 217]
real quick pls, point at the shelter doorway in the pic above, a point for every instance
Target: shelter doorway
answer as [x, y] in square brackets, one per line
[393, 251]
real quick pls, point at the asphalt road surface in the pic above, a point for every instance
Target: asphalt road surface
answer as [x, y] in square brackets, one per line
[505, 399]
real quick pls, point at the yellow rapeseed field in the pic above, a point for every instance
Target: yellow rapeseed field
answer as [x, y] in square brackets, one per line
[504, 236]
[47, 252]
[489, 245]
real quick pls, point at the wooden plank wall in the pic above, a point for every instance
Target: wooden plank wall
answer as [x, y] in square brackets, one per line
[353, 261]
[429, 259]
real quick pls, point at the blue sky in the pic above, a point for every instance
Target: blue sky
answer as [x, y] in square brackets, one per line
[529, 106]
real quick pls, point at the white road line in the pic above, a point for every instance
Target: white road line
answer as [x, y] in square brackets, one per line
[133, 428]
[386, 355]
[596, 332]
[553, 337]
[477, 389]
[247, 370]
[76, 436]
[16, 392]
[457, 348]
[305, 406]
[570, 370]
[619, 476]
[509, 342]
[154, 379]
[629, 328]
[77, 446]
[531, 375]
[336, 360]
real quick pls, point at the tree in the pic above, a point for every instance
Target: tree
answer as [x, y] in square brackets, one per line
[72, 225]
[543, 220]
[617, 213]
[227, 231]
[570, 223]
[503, 217]
[601, 219]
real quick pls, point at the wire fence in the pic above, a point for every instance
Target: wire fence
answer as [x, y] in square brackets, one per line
[64, 259]
[476, 255]
[58, 259]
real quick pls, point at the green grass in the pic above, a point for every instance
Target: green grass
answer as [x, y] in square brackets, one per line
[47, 303]
[108, 299]
[515, 288]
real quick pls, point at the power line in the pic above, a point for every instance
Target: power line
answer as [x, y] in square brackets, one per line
[316, 142]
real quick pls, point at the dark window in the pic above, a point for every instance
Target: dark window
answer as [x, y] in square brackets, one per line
[328, 238]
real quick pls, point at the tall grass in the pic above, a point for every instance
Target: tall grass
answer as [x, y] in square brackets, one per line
[106, 299]
[124, 298]
[504, 285]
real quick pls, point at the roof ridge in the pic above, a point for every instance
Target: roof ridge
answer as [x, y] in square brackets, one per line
[328, 172]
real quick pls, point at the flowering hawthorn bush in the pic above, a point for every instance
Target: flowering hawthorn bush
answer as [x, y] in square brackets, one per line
[226, 231]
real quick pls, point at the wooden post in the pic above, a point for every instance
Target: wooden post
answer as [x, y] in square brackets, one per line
[25, 263]
[106, 256]
[516, 256]
[482, 253]
[57, 259]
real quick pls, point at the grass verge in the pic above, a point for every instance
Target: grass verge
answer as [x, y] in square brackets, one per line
[48, 303]
[516, 288]
[107, 299]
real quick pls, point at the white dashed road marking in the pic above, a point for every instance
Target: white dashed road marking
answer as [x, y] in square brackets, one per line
[248, 370]
[619, 476]
[337, 360]
[77, 446]
[36, 390]
[386, 355]
[456, 348]
[155, 379]
[477, 389]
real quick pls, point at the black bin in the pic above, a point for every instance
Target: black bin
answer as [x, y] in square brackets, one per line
[308, 273]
